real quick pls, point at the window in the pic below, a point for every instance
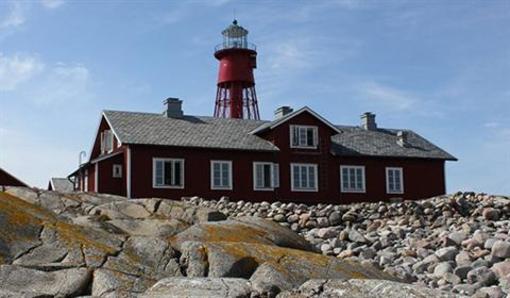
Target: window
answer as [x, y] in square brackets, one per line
[265, 176]
[86, 181]
[304, 177]
[303, 136]
[221, 174]
[168, 173]
[352, 178]
[117, 171]
[394, 181]
[106, 141]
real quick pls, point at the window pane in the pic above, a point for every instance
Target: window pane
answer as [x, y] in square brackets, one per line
[177, 173]
[267, 175]
[303, 176]
[309, 137]
[295, 139]
[311, 177]
[276, 175]
[352, 182]
[159, 173]
[258, 176]
[302, 136]
[168, 173]
[295, 170]
[216, 174]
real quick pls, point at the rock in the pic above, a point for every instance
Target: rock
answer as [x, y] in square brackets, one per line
[279, 218]
[349, 217]
[61, 283]
[462, 271]
[335, 218]
[243, 229]
[482, 275]
[326, 233]
[447, 253]
[501, 249]
[188, 214]
[358, 288]
[199, 287]
[150, 227]
[457, 237]
[235, 259]
[490, 292]
[480, 237]
[269, 280]
[463, 258]
[490, 214]
[356, 236]
[501, 269]
[442, 268]
[108, 283]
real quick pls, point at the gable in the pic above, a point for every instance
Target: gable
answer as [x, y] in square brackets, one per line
[288, 118]
[104, 124]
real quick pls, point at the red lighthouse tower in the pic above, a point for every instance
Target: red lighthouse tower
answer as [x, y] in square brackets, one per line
[235, 96]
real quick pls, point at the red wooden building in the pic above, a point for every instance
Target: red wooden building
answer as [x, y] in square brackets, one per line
[299, 156]
[7, 179]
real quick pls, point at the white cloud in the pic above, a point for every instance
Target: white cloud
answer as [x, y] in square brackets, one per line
[63, 83]
[52, 4]
[15, 16]
[391, 98]
[17, 69]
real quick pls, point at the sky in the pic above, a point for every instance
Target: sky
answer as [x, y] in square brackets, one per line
[440, 68]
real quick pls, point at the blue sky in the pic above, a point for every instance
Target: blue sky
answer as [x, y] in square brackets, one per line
[441, 68]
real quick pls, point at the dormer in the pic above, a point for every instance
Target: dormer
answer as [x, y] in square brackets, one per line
[303, 130]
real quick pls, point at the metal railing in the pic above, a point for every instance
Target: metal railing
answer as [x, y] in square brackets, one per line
[224, 46]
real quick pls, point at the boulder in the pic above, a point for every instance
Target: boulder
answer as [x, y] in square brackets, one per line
[360, 288]
[243, 229]
[177, 287]
[60, 283]
[150, 226]
[235, 259]
[187, 213]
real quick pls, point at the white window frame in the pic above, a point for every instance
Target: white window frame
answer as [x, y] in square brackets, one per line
[363, 179]
[274, 173]
[401, 177]
[230, 180]
[315, 136]
[117, 171]
[316, 175]
[161, 159]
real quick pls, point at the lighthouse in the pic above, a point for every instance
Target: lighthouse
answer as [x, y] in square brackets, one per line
[235, 95]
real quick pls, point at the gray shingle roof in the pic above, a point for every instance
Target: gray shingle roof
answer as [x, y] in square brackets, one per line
[356, 141]
[189, 131]
[62, 185]
[210, 132]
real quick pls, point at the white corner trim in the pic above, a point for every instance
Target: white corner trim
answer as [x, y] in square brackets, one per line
[96, 176]
[128, 173]
[229, 162]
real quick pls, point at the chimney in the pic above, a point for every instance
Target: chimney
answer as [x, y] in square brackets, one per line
[368, 121]
[173, 107]
[402, 138]
[282, 111]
